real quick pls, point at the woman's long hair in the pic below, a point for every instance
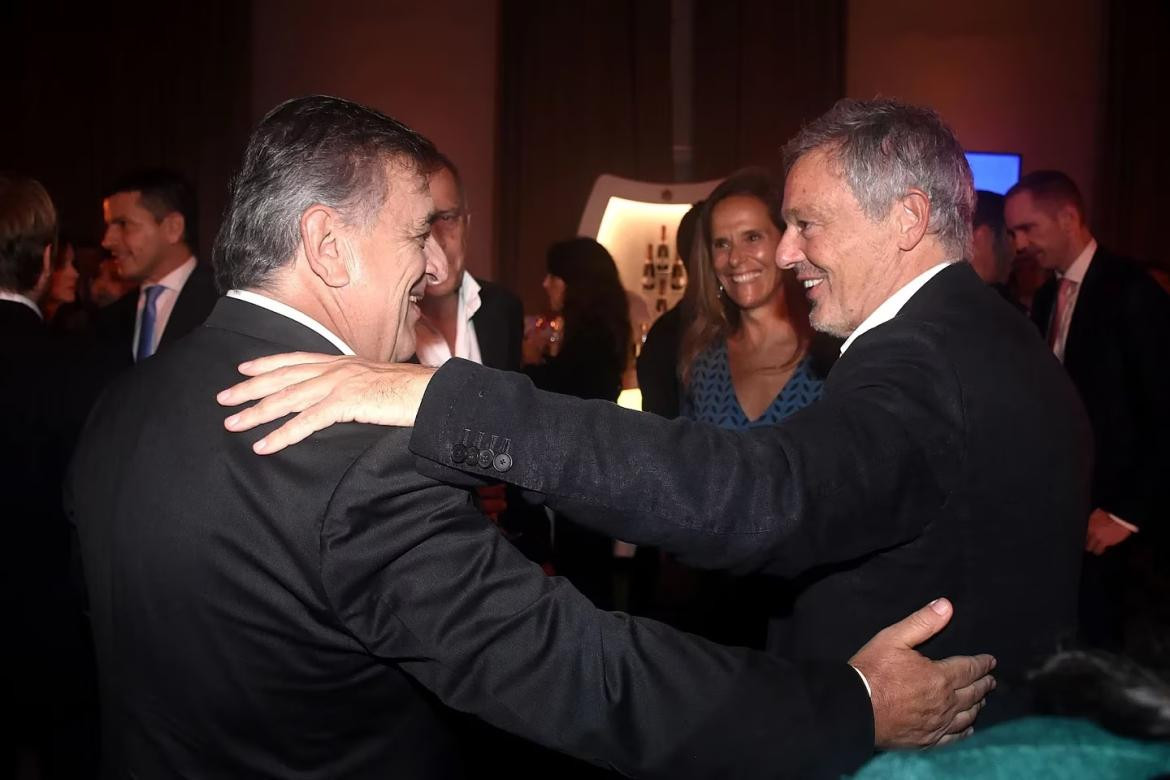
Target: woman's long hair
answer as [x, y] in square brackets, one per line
[595, 301]
[711, 315]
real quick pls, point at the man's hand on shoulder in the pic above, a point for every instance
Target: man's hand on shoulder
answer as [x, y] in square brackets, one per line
[918, 702]
[320, 390]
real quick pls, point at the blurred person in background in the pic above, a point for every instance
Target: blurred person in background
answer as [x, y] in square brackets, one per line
[588, 361]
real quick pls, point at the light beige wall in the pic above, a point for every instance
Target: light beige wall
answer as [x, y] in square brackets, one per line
[432, 65]
[1008, 75]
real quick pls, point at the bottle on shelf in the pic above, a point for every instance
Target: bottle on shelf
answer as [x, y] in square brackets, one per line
[678, 274]
[648, 269]
[662, 263]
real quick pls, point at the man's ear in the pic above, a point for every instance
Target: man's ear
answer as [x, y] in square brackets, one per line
[325, 250]
[912, 214]
[42, 285]
[1068, 218]
[172, 226]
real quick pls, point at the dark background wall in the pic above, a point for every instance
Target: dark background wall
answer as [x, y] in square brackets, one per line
[534, 100]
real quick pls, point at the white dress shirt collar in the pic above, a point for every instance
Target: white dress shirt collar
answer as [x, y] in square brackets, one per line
[430, 345]
[283, 309]
[892, 305]
[177, 277]
[171, 284]
[1076, 271]
[16, 297]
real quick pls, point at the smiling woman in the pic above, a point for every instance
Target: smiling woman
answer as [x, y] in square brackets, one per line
[745, 359]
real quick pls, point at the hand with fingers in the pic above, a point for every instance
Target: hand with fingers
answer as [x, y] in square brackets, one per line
[918, 702]
[320, 390]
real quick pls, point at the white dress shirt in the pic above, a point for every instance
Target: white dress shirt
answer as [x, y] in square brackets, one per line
[172, 285]
[892, 305]
[430, 345]
[283, 309]
[16, 297]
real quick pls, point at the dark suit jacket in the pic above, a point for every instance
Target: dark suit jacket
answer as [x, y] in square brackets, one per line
[499, 327]
[106, 350]
[34, 564]
[1118, 355]
[946, 458]
[302, 615]
[115, 323]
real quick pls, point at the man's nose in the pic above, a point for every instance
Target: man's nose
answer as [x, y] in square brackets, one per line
[788, 251]
[437, 266]
[108, 238]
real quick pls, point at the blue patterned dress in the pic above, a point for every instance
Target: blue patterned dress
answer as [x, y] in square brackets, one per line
[710, 396]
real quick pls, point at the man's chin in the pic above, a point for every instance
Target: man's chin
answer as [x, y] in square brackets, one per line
[835, 329]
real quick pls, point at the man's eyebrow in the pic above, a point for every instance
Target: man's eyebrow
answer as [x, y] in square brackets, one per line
[797, 213]
[423, 226]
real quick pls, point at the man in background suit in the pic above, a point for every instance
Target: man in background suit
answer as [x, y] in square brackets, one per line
[480, 321]
[43, 660]
[1108, 322]
[949, 453]
[150, 231]
[305, 615]
[462, 316]
[991, 249]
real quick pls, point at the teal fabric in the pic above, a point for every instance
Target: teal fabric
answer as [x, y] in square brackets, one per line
[1032, 748]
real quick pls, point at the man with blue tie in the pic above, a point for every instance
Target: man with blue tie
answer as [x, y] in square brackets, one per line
[150, 231]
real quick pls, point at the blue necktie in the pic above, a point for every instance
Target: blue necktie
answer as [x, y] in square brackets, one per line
[146, 329]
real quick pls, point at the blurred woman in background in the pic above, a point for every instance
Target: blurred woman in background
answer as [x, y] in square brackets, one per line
[748, 358]
[587, 359]
[593, 346]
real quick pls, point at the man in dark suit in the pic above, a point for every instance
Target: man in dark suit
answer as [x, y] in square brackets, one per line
[991, 249]
[463, 316]
[43, 665]
[304, 615]
[949, 454]
[150, 231]
[1108, 322]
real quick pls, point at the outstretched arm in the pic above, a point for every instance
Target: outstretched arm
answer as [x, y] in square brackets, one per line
[855, 473]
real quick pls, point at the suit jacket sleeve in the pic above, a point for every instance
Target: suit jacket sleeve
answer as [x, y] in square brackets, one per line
[424, 582]
[858, 471]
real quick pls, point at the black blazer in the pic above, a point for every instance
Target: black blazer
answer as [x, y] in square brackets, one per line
[499, 327]
[35, 558]
[946, 458]
[303, 615]
[106, 349]
[115, 323]
[1118, 355]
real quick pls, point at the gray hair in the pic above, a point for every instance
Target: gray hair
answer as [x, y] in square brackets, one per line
[885, 148]
[308, 150]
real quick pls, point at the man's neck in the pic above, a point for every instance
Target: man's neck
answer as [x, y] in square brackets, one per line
[1076, 247]
[172, 260]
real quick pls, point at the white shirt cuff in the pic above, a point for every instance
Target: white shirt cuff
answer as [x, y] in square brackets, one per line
[868, 690]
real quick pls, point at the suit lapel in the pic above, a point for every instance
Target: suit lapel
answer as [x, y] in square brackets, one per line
[195, 301]
[488, 332]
